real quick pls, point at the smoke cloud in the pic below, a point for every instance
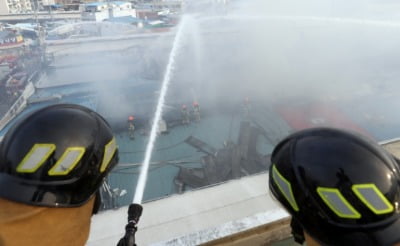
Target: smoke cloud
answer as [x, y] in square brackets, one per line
[273, 52]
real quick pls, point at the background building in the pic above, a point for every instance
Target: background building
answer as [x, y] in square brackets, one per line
[145, 8]
[23, 6]
[99, 11]
[15, 6]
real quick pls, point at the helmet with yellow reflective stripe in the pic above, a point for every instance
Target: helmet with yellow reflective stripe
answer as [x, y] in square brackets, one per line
[56, 156]
[342, 188]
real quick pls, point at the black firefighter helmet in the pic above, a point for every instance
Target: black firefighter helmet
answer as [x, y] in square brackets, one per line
[342, 188]
[57, 156]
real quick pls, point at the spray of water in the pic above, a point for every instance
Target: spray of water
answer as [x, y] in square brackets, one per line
[160, 104]
[321, 19]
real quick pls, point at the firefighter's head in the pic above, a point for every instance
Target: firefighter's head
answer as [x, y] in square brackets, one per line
[57, 156]
[52, 163]
[340, 188]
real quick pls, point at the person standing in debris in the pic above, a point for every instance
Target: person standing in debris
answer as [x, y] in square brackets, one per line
[52, 164]
[196, 111]
[131, 127]
[162, 127]
[339, 187]
[185, 115]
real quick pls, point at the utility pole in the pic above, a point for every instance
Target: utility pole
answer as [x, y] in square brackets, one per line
[110, 9]
[36, 5]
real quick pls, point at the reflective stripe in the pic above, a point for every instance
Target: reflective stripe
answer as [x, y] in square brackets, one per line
[285, 187]
[67, 161]
[35, 158]
[373, 198]
[337, 203]
[109, 151]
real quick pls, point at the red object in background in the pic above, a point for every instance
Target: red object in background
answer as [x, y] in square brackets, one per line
[131, 118]
[10, 58]
[317, 114]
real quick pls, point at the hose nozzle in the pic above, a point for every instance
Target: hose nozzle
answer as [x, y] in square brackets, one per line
[134, 212]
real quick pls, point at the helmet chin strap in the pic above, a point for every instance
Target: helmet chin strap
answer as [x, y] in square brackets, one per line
[97, 203]
[297, 231]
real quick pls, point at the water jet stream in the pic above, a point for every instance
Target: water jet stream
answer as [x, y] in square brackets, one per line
[157, 116]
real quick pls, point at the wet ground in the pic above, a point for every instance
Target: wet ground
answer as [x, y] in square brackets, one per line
[205, 152]
[187, 155]
[182, 155]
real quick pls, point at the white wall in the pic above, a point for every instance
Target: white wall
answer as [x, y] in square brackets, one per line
[194, 217]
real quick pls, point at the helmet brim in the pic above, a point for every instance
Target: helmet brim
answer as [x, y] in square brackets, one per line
[39, 194]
